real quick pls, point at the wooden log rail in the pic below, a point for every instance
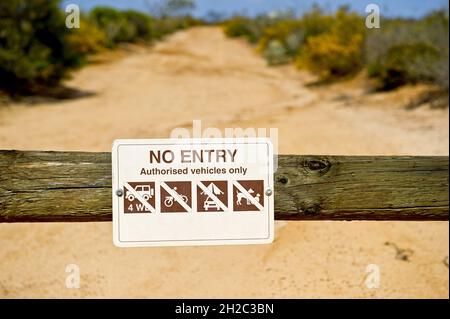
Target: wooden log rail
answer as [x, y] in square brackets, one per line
[76, 187]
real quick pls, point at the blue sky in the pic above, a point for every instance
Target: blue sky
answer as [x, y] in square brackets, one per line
[391, 8]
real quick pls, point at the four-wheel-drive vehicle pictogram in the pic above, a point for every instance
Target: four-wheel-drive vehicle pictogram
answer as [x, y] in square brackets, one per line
[145, 191]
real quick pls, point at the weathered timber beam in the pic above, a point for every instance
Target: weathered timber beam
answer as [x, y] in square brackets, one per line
[76, 187]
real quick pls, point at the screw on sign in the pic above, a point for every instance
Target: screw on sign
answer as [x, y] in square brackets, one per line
[212, 196]
[139, 197]
[248, 195]
[176, 197]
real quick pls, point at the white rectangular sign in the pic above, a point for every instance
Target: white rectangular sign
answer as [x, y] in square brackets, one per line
[178, 192]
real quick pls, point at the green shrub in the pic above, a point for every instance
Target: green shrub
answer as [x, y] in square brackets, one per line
[315, 22]
[276, 53]
[167, 25]
[34, 46]
[133, 26]
[407, 63]
[251, 29]
[114, 24]
[141, 23]
[237, 27]
[281, 42]
[337, 52]
[87, 39]
[409, 51]
[292, 35]
[37, 50]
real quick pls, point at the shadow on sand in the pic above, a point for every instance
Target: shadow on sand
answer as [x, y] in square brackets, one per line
[47, 95]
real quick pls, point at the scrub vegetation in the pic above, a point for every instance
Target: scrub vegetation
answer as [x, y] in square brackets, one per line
[337, 45]
[37, 50]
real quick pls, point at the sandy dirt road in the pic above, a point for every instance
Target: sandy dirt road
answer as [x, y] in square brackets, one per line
[199, 74]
